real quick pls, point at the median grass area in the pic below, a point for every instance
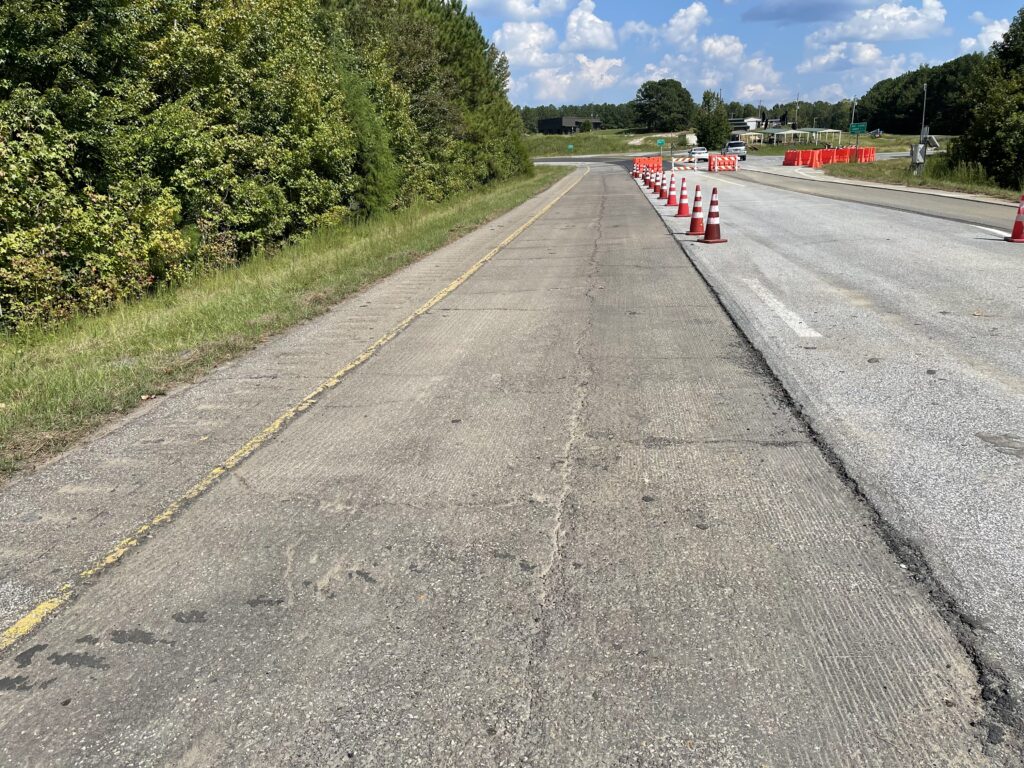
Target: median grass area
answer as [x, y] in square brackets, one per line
[604, 142]
[939, 173]
[59, 383]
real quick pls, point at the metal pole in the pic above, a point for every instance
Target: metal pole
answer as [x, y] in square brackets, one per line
[924, 107]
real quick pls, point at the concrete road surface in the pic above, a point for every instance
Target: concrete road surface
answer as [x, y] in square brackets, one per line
[901, 337]
[564, 517]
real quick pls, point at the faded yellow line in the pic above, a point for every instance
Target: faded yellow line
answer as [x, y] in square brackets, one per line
[31, 620]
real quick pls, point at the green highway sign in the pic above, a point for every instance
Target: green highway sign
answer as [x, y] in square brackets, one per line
[858, 127]
[570, 147]
[661, 142]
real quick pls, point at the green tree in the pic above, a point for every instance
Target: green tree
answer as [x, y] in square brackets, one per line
[663, 105]
[144, 140]
[711, 122]
[995, 136]
[894, 104]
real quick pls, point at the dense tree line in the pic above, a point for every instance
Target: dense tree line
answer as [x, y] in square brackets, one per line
[610, 115]
[894, 104]
[994, 137]
[142, 141]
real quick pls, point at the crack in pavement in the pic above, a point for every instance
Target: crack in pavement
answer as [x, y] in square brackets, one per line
[564, 503]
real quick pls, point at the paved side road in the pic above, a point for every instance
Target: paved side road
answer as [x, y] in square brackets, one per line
[564, 518]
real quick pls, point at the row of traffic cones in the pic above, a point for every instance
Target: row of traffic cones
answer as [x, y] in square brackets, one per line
[655, 180]
[712, 233]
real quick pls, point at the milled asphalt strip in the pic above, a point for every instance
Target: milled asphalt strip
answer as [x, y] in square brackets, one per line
[45, 609]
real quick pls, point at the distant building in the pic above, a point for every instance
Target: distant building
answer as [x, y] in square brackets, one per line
[558, 125]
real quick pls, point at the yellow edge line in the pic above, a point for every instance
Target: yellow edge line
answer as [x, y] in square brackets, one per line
[31, 620]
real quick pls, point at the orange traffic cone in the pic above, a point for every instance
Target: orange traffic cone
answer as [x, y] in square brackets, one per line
[663, 195]
[657, 184]
[684, 201]
[714, 233]
[697, 219]
[1017, 236]
[673, 199]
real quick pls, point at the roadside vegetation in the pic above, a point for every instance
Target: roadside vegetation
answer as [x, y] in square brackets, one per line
[601, 142]
[940, 172]
[60, 381]
[143, 144]
[887, 142]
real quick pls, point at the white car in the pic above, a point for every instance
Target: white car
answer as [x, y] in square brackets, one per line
[737, 148]
[698, 154]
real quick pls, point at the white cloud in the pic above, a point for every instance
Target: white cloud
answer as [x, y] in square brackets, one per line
[723, 47]
[843, 56]
[551, 84]
[527, 43]
[600, 72]
[520, 9]
[666, 68]
[682, 27]
[864, 54]
[557, 84]
[888, 21]
[829, 92]
[758, 79]
[827, 60]
[584, 30]
[992, 30]
[640, 29]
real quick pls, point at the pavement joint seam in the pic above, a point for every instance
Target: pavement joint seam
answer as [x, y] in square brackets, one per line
[28, 622]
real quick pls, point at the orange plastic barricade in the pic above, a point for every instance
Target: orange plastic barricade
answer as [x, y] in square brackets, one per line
[843, 155]
[792, 157]
[828, 156]
[815, 158]
[722, 163]
[805, 157]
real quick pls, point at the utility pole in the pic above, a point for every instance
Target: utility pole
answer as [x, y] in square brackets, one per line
[924, 108]
[853, 119]
[919, 152]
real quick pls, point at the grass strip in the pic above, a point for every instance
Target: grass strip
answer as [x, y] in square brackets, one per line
[887, 142]
[939, 173]
[59, 383]
[603, 142]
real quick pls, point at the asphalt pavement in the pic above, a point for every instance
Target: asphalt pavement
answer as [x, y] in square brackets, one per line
[559, 513]
[901, 339]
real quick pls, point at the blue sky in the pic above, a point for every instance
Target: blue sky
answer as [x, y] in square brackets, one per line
[575, 51]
